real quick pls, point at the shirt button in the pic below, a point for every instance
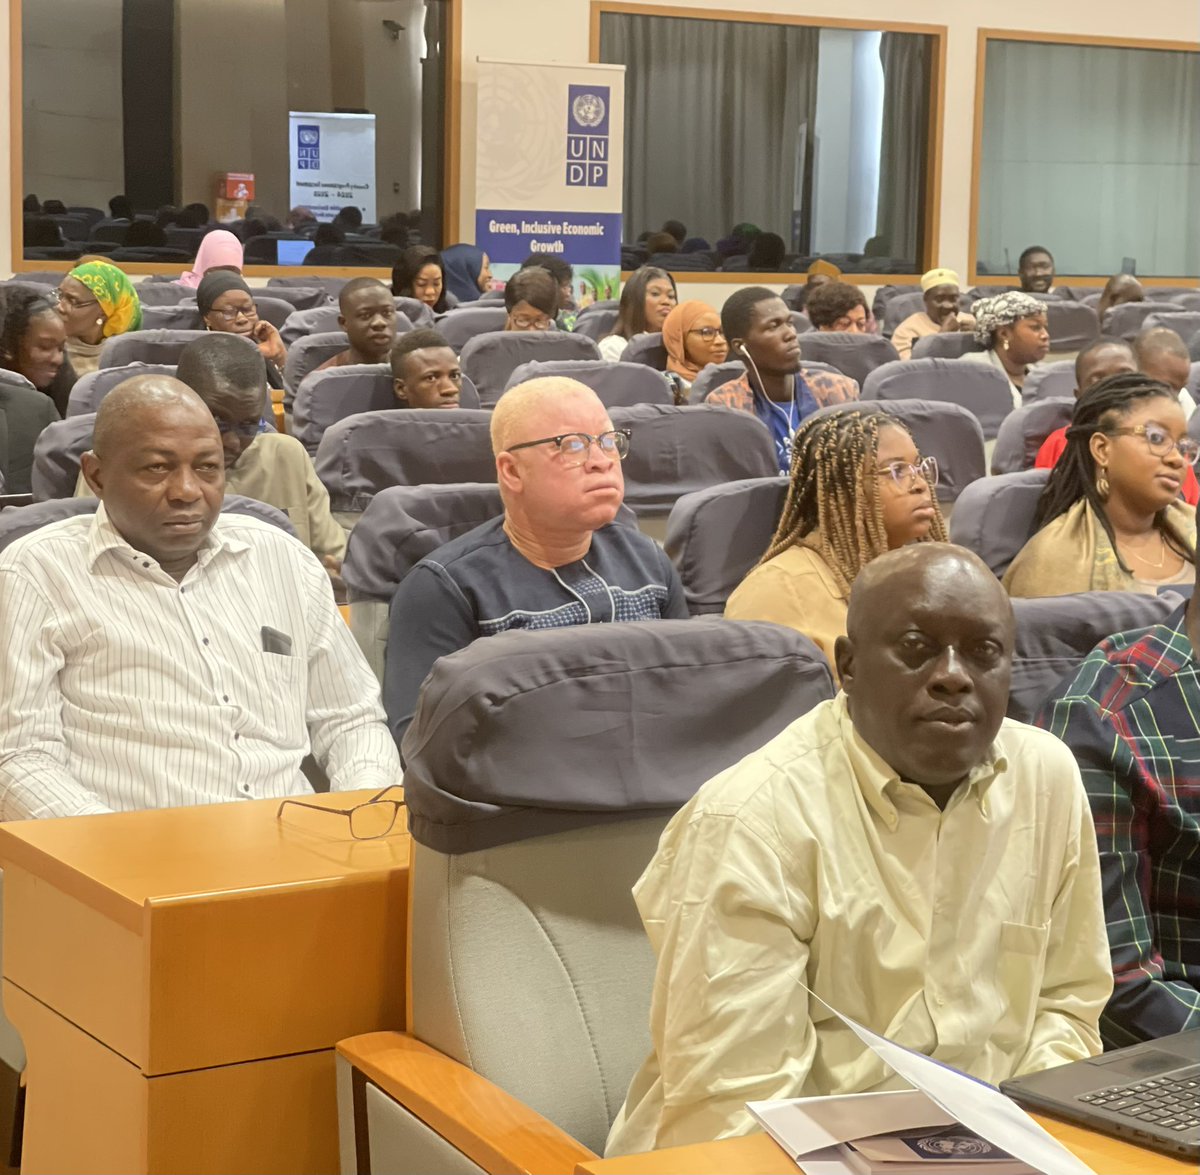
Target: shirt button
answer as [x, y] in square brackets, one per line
[941, 1002]
[206, 640]
[244, 788]
[145, 564]
[236, 737]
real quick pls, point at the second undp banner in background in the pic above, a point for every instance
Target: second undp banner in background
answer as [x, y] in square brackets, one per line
[549, 172]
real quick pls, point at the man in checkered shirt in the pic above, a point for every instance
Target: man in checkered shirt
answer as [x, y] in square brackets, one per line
[1131, 715]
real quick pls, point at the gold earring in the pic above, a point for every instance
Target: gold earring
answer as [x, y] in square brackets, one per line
[1102, 486]
[99, 321]
[1005, 344]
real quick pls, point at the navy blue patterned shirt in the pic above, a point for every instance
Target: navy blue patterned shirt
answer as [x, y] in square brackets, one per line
[480, 584]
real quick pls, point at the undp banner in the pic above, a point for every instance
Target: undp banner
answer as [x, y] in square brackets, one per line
[549, 169]
[332, 163]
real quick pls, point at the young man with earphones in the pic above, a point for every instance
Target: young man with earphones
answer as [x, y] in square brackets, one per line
[761, 333]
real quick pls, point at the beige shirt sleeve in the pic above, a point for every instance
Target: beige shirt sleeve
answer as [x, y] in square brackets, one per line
[325, 536]
[906, 334]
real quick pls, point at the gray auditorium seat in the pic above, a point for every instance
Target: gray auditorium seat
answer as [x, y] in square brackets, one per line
[164, 294]
[489, 359]
[18, 521]
[363, 454]
[1127, 319]
[521, 879]
[648, 349]
[325, 397]
[713, 376]
[324, 320]
[994, 516]
[900, 307]
[276, 311]
[947, 346]
[1185, 323]
[307, 354]
[331, 285]
[1072, 326]
[617, 384]
[1055, 633]
[465, 322]
[716, 536]
[597, 320]
[980, 389]
[417, 312]
[852, 354]
[172, 316]
[944, 431]
[1023, 432]
[56, 456]
[301, 297]
[146, 346]
[678, 450]
[90, 389]
[1050, 381]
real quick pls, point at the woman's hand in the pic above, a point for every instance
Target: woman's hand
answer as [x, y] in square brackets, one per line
[270, 344]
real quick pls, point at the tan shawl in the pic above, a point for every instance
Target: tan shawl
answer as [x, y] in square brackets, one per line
[1073, 554]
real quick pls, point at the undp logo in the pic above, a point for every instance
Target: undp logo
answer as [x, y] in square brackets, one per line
[308, 148]
[587, 136]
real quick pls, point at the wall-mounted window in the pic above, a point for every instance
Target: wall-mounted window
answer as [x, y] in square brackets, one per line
[1092, 150]
[818, 134]
[167, 104]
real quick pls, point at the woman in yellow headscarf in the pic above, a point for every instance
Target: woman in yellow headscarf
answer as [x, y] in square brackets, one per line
[96, 300]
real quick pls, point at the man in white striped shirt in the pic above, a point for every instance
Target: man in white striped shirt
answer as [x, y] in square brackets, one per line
[158, 653]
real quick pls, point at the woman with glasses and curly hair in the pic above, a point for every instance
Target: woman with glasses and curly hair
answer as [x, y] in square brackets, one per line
[858, 488]
[1110, 517]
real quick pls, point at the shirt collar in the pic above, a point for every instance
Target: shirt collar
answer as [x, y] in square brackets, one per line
[1172, 636]
[874, 776]
[104, 536]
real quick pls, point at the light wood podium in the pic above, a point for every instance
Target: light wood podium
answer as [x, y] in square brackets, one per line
[180, 977]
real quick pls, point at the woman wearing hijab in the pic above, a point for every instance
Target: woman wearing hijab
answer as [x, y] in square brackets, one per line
[219, 249]
[97, 301]
[226, 304]
[693, 339]
[1013, 328]
[468, 272]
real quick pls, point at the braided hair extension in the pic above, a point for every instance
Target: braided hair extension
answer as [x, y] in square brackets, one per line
[18, 309]
[835, 493]
[1099, 409]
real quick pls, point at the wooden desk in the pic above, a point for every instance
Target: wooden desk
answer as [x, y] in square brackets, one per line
[180, 978]
[757, 1154]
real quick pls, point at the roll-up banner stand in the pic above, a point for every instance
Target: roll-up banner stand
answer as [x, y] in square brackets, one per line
[332, 163]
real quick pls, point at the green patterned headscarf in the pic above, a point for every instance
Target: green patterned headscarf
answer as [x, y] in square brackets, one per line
[115, 293]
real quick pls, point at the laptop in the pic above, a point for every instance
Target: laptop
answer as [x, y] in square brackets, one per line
[292, 252]
[1148, 1093]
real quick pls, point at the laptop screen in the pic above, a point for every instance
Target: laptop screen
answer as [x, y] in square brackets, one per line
[292, 252]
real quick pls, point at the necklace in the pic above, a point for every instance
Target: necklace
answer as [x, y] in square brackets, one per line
[1146, 562]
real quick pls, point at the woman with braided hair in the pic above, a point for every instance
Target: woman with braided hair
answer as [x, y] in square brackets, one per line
[1110, 517]
[858, 488]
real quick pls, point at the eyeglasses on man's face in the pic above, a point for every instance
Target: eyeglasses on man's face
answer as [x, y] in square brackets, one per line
[370, 820]
[905, 474]
[574, 447]
[1159, 441]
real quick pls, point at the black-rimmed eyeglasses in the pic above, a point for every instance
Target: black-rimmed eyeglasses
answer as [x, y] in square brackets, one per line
[574, 447]
[369, 820]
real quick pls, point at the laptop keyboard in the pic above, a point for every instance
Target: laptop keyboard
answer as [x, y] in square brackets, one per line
[1171, 1103]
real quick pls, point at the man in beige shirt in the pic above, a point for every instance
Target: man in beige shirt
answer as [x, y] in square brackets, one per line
[904, 851]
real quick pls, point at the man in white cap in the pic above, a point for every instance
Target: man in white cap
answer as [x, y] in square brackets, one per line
[941, 313]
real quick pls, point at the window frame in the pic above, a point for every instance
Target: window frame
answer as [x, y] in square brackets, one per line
[986, 35]
[452, 169]
[932, 212]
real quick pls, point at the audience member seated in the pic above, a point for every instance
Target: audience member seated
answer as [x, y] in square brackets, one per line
[269, 466]
[676, 229]
[97, 301]
[1035, 268]
[820, 273]
[33, 344]
[24, 412]
[1162, 355]
[367, 313]
[156, 654]
[1119, 289]
[940, 316]
[1013, 330]
[531, 299]
[1127, 714]
[145, 234]
[120, 208]
[858, 488]
[903, 852]
[219, 250]
[1110, 518]
[693, 338]
[468, 272]
[227, 305]
[194, 215]
[349, 219]
[646, 300]
[661, 243]
[563, 273]
[425, 371]
[767, 253]
[758, 327]
[300, 218]
[418, 274]
[554, 560]
[837, 306]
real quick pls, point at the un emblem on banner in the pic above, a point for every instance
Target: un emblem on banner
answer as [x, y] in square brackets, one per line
[589, 110]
